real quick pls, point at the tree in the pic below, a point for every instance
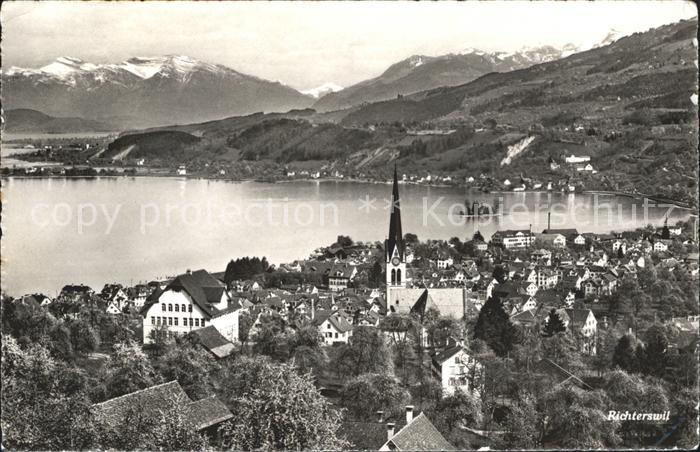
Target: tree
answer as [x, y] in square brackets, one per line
[630, 392]
[499, 273]
[521, 425]
[365, 352]
[190, 367]
[478, 237]
[83, 336]
[495, 328]
[376, 275]
[344, 241]
[276, 408]
[138, 429]
[456, 410]
[442, 329]
[553, 325]
[652, 356]
[410, 238]
[245, 268]
[624, 355]
[129, 370]
[576, 419]
[42, 407]
[365, 394]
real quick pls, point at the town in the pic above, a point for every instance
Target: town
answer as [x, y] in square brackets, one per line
[527, 340]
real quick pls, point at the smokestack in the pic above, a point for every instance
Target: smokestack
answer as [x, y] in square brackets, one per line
[389, 430]
[549, 221]
[409, 414]
[380, 416]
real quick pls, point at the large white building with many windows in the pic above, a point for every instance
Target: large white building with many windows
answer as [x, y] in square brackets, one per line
[191, 301]
[510, 239]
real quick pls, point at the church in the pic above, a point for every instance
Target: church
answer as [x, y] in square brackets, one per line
[401, 297]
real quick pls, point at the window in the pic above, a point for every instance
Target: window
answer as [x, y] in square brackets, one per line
[170, 307]
[328, 325]
[162, 306]
[191, 321]
[153, 320]
[196, 322]
[177, 308]
[204, 322]
[170, 321]
[336, 335]
[184, 308]
[190, 310]
[175, 321]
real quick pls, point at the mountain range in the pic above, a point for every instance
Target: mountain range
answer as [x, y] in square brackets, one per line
[630, 105]
[142, 92]
[145, 92]
[23, 120]
[420, 72]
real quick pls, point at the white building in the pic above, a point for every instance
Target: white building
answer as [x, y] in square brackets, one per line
[513, 238]
[191, 301]
[572, 159]
[456, 369]
[334, 327]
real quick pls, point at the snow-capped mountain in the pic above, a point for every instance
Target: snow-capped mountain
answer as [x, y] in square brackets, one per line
[145, 91]
[420, 72]
[322, 90]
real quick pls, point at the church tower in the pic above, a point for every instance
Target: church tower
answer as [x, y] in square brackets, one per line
[394, 248]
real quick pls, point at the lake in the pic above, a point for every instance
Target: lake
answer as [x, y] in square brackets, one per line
[102, 230]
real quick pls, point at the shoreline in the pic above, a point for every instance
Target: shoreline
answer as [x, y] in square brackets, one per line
[640, 196]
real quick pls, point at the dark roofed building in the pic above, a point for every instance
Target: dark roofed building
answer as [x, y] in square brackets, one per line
[210, 338]
[153, 402]
[208, 412]
[418, 434]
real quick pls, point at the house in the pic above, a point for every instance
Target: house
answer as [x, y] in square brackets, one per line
[580, 240]
[113, 308]
[154, 402]
[479, 245]
[114, 294]
[76, 292]
[661, 245]
[583, 324]
[418, 434]
[513, 238]
[456, 369]
[191, 301]
[555, 240]
[379, 434]
[547, 278]
[35, 300]
[442, 260]
[333, 326]
[182, 170]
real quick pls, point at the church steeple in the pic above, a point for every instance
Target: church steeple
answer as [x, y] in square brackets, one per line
[395, 240]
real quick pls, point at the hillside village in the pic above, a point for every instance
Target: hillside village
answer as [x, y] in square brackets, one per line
[418, 344]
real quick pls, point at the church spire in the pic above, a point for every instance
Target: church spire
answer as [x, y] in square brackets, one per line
[395, 234]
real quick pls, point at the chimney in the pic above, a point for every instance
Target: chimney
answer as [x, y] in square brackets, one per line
[380, 416]
[389, 430]
[409, 414]
[189, 272]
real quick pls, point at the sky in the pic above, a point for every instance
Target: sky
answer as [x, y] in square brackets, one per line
[306, 44]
